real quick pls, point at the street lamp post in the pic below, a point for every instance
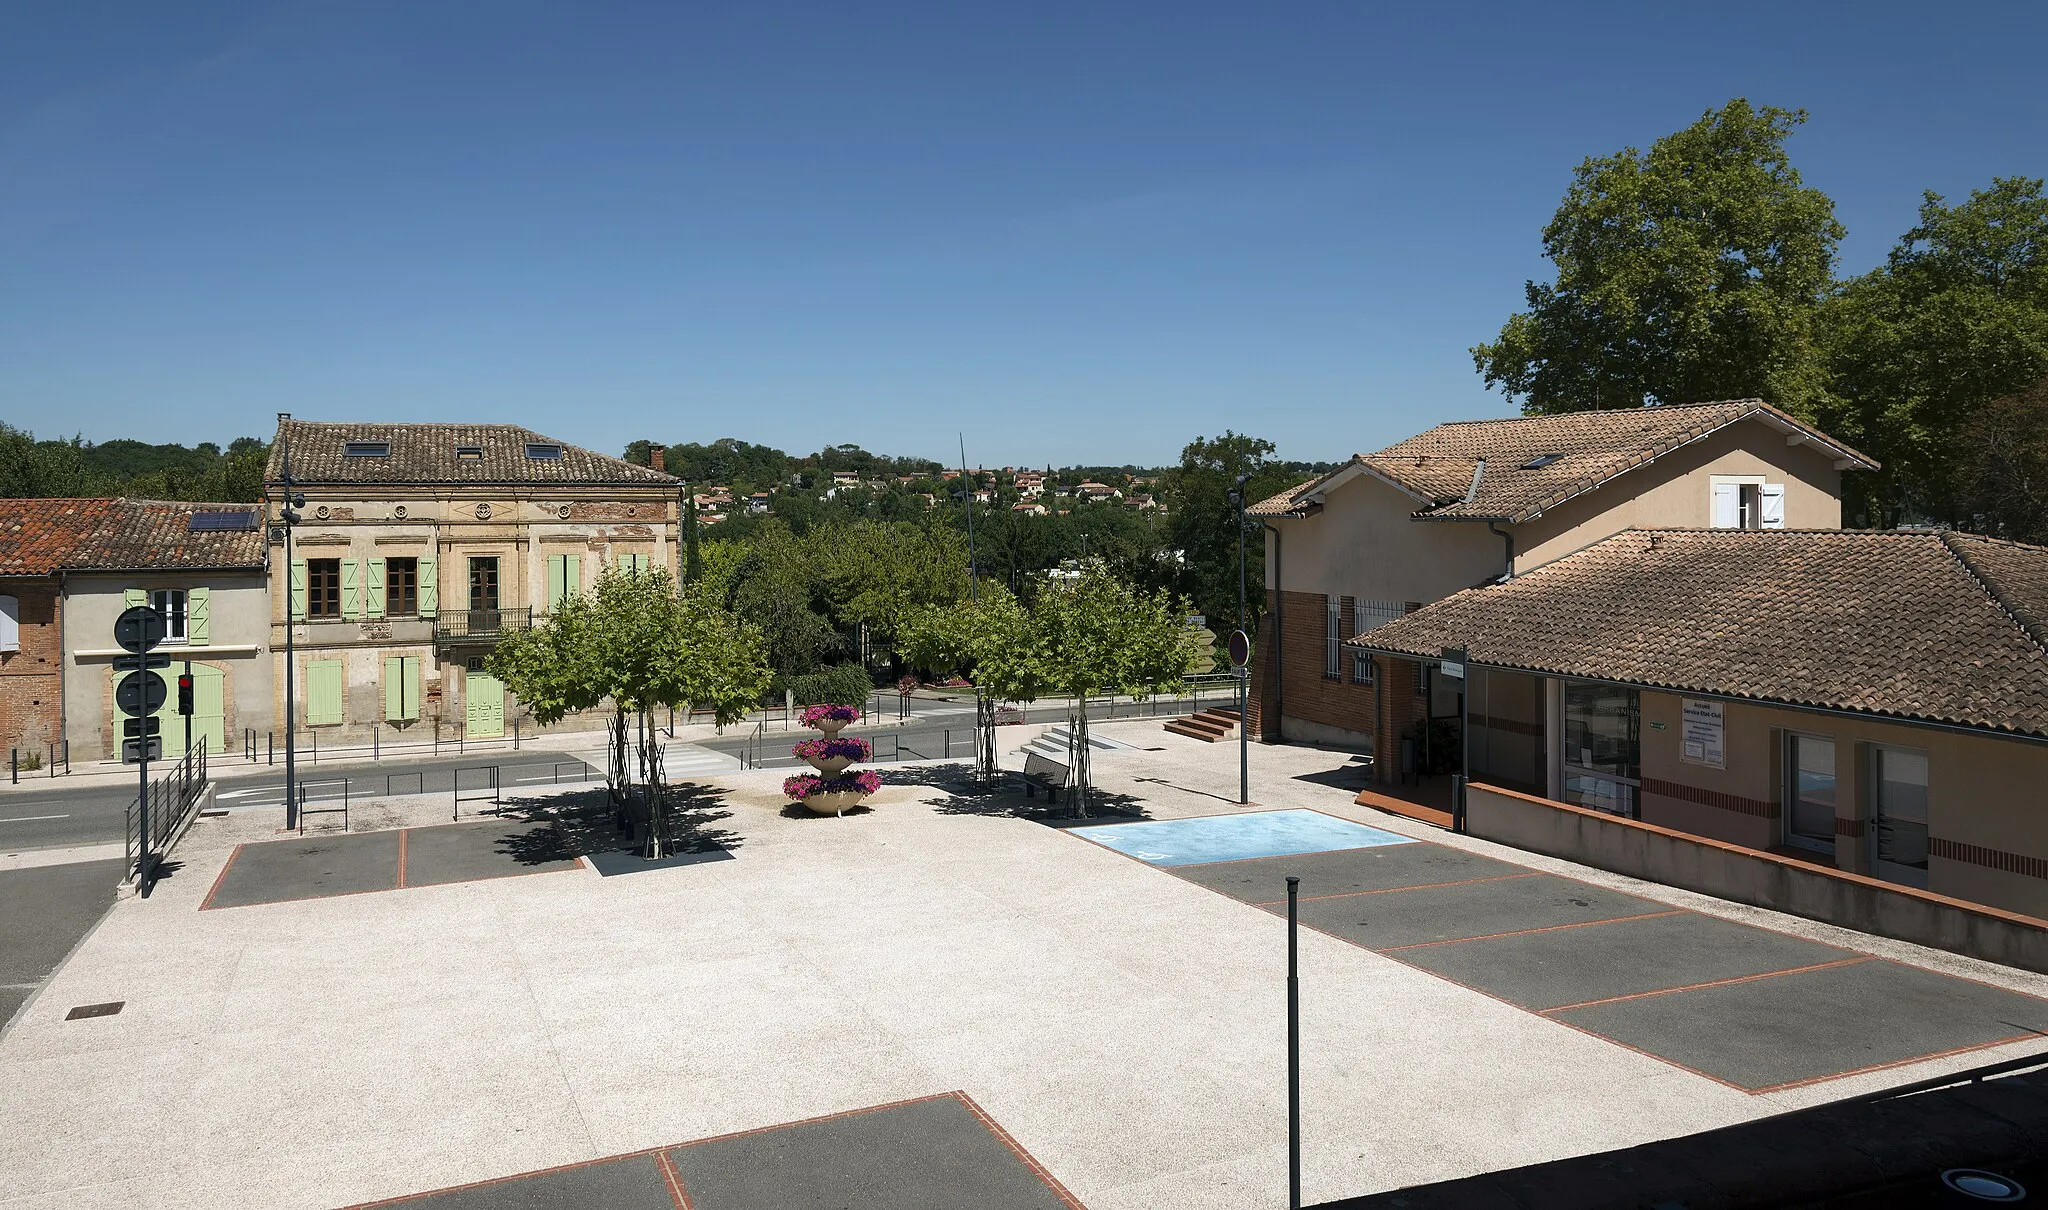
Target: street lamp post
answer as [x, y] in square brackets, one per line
[293, 501]
[1244, 671]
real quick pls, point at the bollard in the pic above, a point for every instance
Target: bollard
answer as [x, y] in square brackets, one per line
[949, 743]
[375, 742]
[270, 749]
[14, 765]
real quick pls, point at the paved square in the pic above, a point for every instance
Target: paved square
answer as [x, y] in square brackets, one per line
[931, 1153]
[319, 867]
[1752, 1008]
[1175, 842]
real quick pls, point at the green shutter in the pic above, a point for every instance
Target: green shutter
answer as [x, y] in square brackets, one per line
[557, 569]
[572, 575]
[298, 590]
[132, 597]
[373, 592]
[323, 692]
[198, 614]
[430, 592]
[352, 589]
[401, 688]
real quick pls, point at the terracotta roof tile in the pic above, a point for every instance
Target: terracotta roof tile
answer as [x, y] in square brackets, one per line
[39, 536]
[427, 453]
[1919, 625]
[1590, 448]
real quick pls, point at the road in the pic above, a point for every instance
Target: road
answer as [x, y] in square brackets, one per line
[68, 815]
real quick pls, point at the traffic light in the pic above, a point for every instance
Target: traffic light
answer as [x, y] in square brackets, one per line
[185, 694]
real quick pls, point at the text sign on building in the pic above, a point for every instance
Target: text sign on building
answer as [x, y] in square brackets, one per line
[1704, 737]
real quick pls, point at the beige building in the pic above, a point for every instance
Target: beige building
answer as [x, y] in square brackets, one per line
[1872, 701]
[1472, 502]
[421, 545]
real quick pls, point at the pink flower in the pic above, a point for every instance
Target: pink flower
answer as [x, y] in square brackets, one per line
[813, 715]
[851, 747]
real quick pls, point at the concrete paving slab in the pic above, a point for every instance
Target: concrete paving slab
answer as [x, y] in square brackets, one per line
[496, 848]
[279, 871]
[1572, 966]
[632, 1183]
[1348, 872]
[1476, 909]
[1809, 1025]
[46, 910]
[1179, 842]
[932, 1154]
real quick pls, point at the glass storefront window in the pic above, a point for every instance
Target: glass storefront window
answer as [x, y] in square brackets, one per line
[1899, 802]
[1810, 792]
[1602, 746]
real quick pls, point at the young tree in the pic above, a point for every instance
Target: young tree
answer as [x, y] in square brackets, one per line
[1091, 633]
[635, 641]
[2004, 467]
[1202, 523]
[1694, 272]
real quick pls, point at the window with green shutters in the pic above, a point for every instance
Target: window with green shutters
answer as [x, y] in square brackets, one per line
[373, 589]
[323, 692]
[352, 589]
[198, 617]
[430, 591]
[401, 688]
[565, 578]
[633, 563]
[298, 590]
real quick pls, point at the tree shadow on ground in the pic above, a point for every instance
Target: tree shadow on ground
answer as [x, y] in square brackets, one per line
[590, 821]
[1003, 796]
[797, 810]
[538, 844]
[1354, 775]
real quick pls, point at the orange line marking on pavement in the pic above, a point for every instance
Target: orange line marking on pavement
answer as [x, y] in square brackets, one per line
[1030, 1161]
[207, 903]
[401, 857]
[674, 1180]
[1548, 928]
[1693, 987]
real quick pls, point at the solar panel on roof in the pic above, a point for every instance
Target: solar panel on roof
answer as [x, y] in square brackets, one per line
[214, 521]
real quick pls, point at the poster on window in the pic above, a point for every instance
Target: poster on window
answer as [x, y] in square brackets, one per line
[1703, 739]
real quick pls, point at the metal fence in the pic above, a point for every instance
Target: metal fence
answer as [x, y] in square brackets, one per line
[491, 792]
[170, 803]
[46, 761]
[328, 785]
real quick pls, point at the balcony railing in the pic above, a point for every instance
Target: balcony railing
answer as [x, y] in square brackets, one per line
[481, 623]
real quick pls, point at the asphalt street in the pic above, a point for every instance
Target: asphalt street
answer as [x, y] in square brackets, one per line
[47, 910]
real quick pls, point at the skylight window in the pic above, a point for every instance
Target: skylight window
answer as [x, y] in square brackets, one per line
[367, 449]
[1540, 461]
[543, 452]
[469, 453]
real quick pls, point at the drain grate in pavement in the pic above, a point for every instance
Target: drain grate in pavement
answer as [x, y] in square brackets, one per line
[94, 1010]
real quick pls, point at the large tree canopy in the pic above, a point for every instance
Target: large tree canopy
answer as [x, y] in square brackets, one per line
[1957, 317]
[1689, 273]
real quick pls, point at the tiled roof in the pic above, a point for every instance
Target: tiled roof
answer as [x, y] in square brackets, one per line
[1921, 625]
[38, 537]
[427, 453]
[1437, 467]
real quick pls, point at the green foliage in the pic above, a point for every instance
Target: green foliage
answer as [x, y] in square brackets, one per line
[1093, 633]
[780, 587]
[635, 641]
[1956, 318]
[75, 467]
[839, 685]
[1694, 272]
[1202, 523]
[2003, 468]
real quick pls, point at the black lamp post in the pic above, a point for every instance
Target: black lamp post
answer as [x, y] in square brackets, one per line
[293, 501]
[1244, 673]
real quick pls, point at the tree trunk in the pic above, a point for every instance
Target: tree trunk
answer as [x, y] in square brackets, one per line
[985, 766]
[1077, 760]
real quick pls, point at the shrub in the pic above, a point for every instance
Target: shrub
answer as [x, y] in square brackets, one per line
[844, 684]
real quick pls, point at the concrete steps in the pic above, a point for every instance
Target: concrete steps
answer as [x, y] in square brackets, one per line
[1210, 726]
[1053, 744]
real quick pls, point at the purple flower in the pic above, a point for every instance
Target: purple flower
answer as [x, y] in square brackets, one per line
[851, 747]
[805, 785]
[813, 715]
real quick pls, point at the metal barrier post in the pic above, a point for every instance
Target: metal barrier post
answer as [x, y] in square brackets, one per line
[375, 750]
[14, 765]
[270, 750]
[949, 743]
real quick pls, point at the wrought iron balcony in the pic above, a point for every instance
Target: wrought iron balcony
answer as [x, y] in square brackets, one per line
[480, 624]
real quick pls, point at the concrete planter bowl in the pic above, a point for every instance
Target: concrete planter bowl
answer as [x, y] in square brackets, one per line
[834, 802]
[831, 766]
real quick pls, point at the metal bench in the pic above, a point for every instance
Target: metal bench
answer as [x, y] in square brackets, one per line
[1042, 772]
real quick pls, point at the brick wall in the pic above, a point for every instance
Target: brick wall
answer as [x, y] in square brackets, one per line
[31, 678]
[1303, 690]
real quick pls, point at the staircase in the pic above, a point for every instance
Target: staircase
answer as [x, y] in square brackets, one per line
[1210, 726]
[1055, 742]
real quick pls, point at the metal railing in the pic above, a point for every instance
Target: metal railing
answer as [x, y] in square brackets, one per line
[491, 792]
[305, 810]
[752, 751]
[481, 623]
[173, 798]
[55, 753]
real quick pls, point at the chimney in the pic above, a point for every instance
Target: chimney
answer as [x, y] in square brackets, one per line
[655, 459]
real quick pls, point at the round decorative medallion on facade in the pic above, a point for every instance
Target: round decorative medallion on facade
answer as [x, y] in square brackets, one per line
[399, 512]
[563, 512]
[321, 512]
[483, 512]
[629, 510]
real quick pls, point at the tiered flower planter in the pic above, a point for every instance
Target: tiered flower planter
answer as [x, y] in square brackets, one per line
[832, 790]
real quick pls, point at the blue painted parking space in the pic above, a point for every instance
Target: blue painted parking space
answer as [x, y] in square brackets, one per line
[1208, 838]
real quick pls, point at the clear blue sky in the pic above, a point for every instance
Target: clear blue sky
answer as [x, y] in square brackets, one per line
[1080, 232]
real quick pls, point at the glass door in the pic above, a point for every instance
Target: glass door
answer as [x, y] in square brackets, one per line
[1898, 784]
[1810, 792]
[483, 596]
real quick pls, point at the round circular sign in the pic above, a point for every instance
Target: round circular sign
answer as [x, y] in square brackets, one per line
[1239, 645]
[140, 693]
[139, 628]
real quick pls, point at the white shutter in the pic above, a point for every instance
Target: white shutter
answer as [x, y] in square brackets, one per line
[10, 624]
[1727, 506]
[1771, 498]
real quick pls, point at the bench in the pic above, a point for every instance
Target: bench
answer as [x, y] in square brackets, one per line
[1042, 772]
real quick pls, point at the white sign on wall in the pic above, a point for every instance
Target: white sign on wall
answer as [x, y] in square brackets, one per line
[1704, 737]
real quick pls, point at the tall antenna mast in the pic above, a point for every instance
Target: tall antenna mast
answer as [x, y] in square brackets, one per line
[967, 495]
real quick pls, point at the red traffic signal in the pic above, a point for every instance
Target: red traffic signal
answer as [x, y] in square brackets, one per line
[185, 694]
